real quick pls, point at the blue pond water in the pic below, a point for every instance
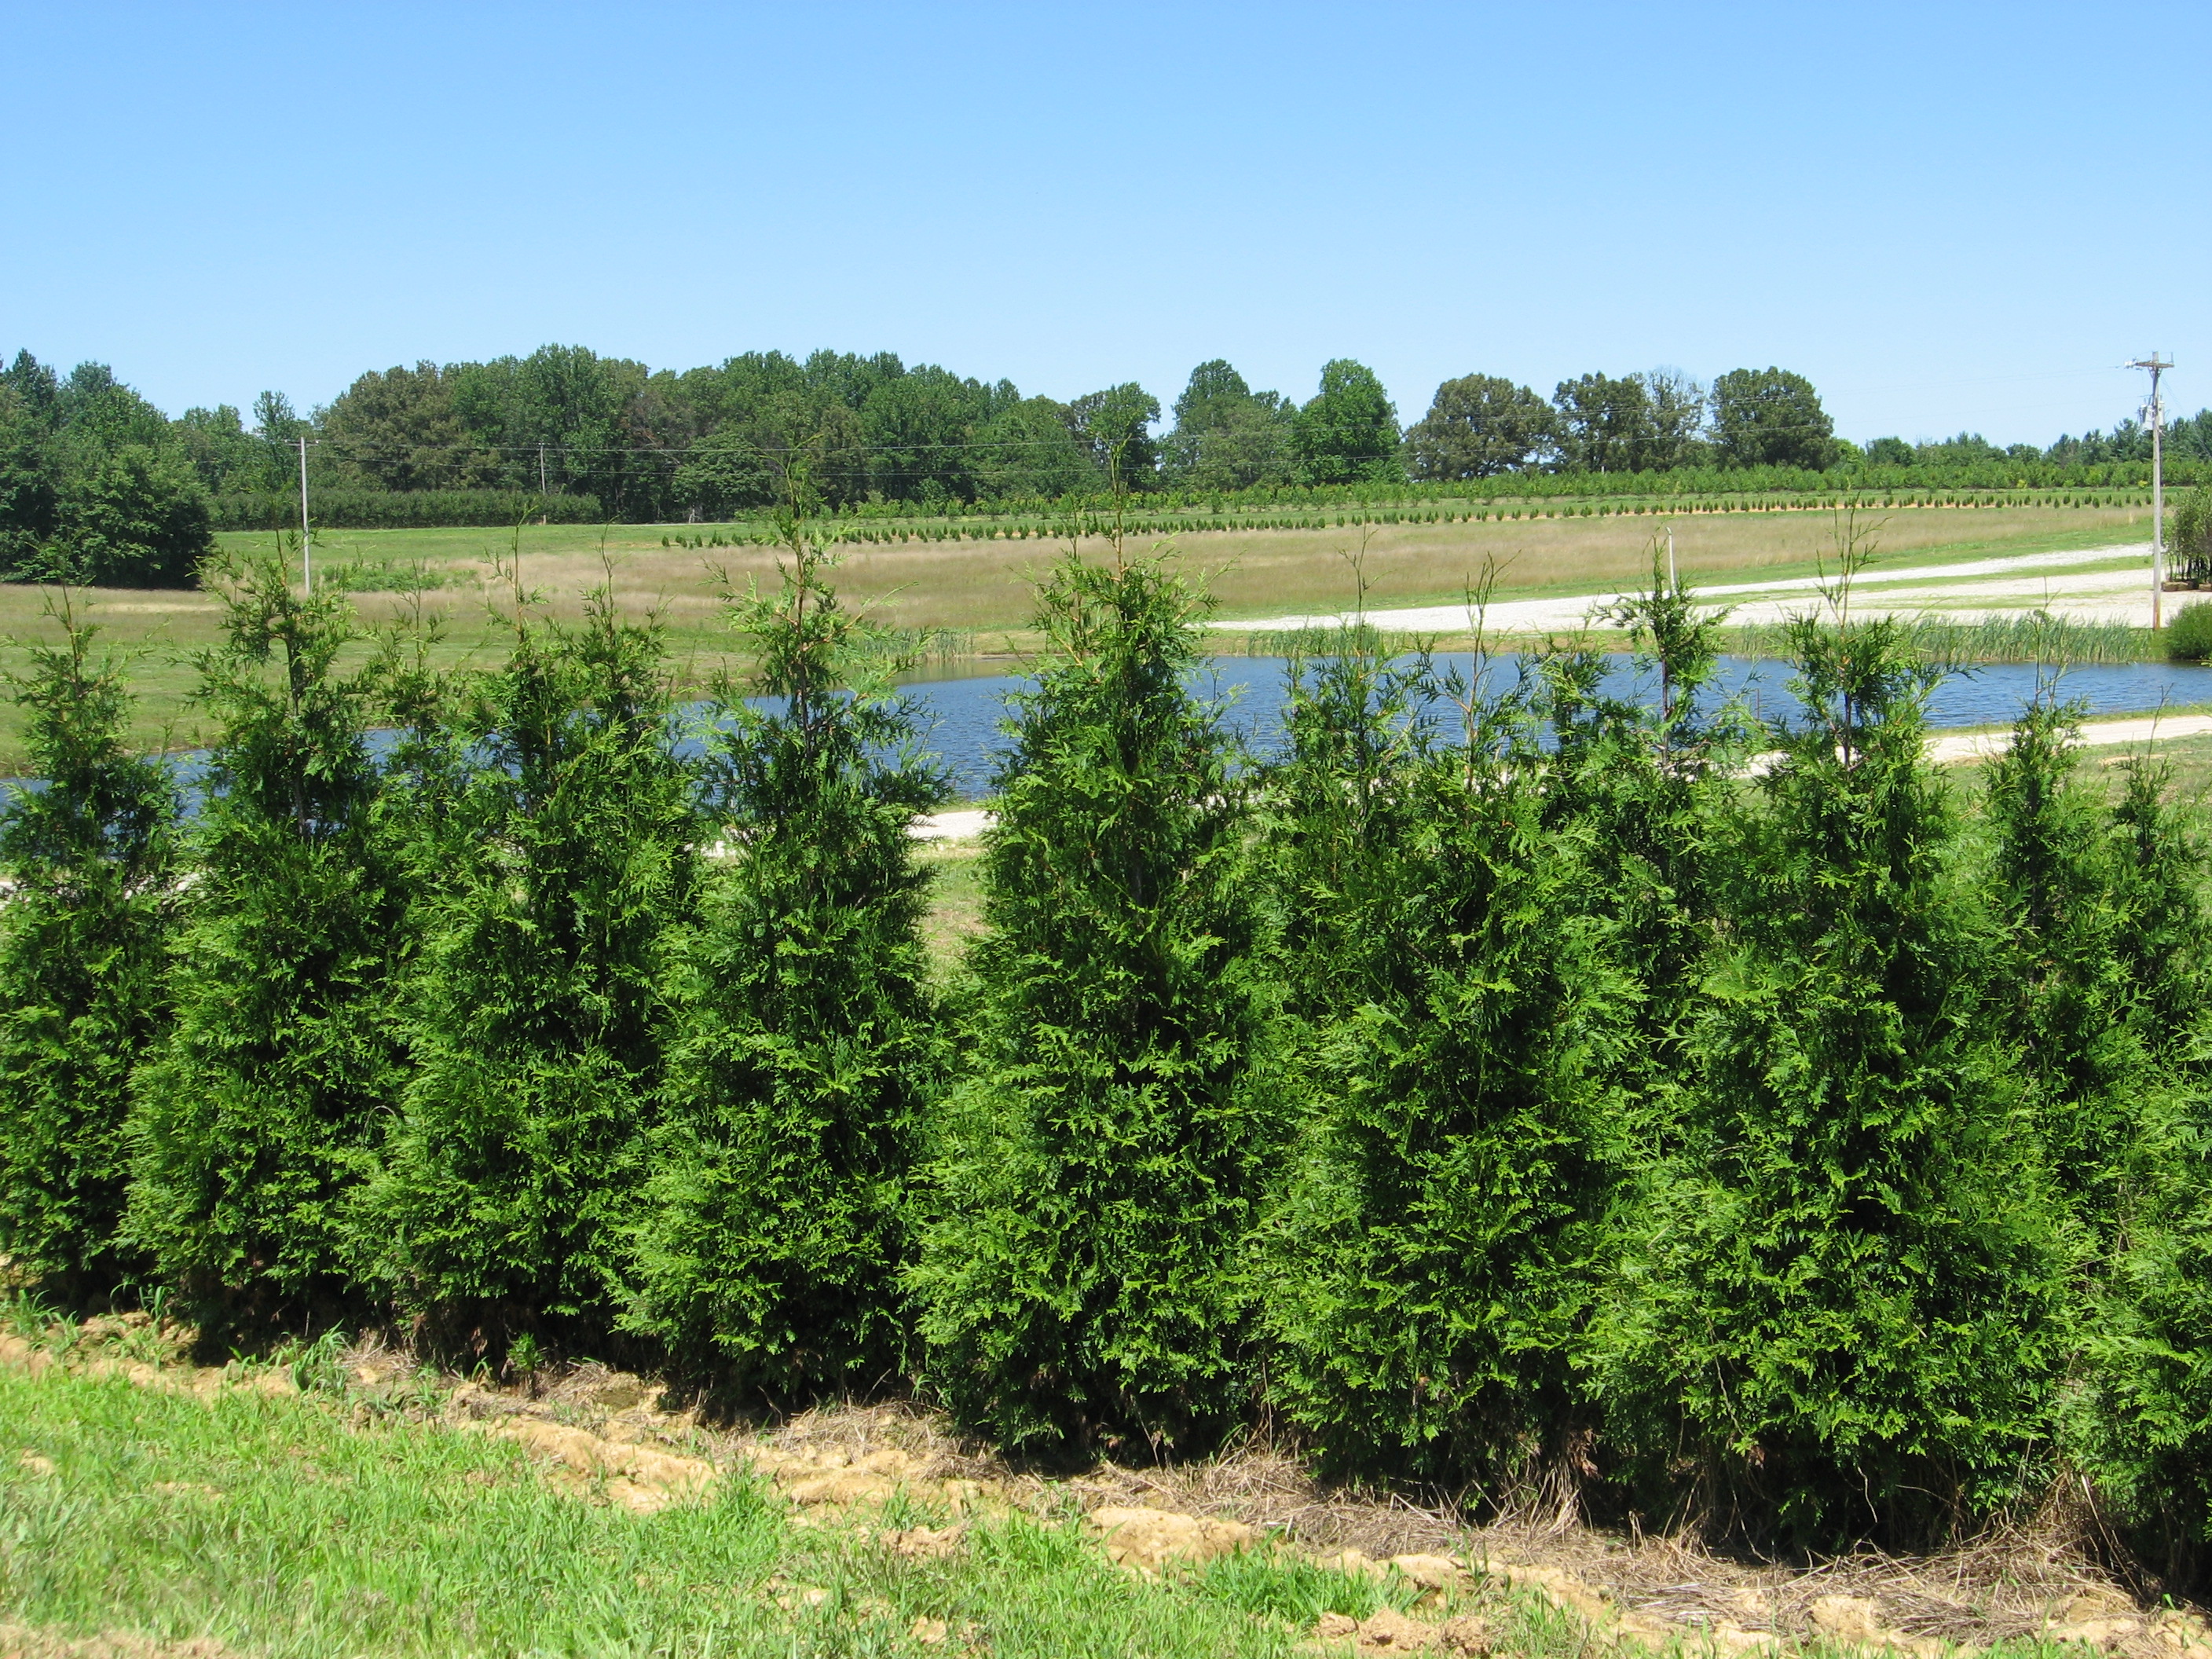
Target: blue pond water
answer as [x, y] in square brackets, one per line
[963, 715]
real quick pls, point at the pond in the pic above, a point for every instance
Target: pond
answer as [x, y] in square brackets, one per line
[963, 715]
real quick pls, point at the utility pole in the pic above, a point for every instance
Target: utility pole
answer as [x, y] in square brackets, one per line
[2156, 366]
[541, 472]
[1670, 554]
[306, 558]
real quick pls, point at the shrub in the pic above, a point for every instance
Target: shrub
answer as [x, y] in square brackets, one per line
[82, 991]
[510, 1184]
[2191, 551]
[1841, 1310]
[805, 1046]
[1095, 1175]
[1434, 1256]
[260, 1112]
[2140, 1424]
[403, 509]
[2189, 635]
[2098, 948]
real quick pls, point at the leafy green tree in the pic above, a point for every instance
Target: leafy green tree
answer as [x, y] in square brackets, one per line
[1479, 425]
[30, 503]
[2102, 936]
[918, 426]
[1032, 450]
[1674, 422]
[93, 486]
[508, 1194]
[1227, 436]
[1769, 417]
[1604, 423]
[1115, 426]
[2190, 542]
[261, 1112]
[1890, 452]
[397, 429]
[1641, 785]
[1844, 1308]
[726, 471]
[223, 455]
[741, 464]
[1349, 431]
[1081, 1277]
[90, 856]
[565, 410]
[136, 518]
[804, 1047]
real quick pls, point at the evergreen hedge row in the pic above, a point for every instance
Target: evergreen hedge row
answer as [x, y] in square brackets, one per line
[402, 509]
[1503, 1087]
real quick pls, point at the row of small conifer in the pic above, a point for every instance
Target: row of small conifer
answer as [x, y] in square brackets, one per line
[1502, 1086]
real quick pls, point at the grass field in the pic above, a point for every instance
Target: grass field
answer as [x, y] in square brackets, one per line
[980, 589]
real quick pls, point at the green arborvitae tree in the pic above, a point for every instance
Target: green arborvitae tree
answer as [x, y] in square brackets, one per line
[261, 1113]
[1432, 1263]
[1094, 1179]
[2062, 985]
[2157, 898]
[1841, 1312]
[1642, 783]
[90, 858]
[2103, 935]
[805, 1046]
[510, 1188]
[2140, 1425]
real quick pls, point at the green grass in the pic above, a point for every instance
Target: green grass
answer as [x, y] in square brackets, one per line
[286, 1525]
[954, 920]
[2028, 637]
[273, 1526]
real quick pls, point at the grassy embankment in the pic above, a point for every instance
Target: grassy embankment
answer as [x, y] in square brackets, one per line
[272, 1525]
[973, 595]
[149, 1510]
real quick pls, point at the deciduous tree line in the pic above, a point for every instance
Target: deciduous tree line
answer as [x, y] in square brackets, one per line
[1501, 1086]
[95, 485]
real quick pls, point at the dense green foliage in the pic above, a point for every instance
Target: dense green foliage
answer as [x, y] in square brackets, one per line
[1846, 1294]
[83, 986]
[96, 485]
[93, 485]
[1501, 1084]
[1096, 1174]
[261, 1111]
[2189, 634]
[1434, 1254]
[510, 1181]
[809, 1051]
[2189, 537]
[414, 509]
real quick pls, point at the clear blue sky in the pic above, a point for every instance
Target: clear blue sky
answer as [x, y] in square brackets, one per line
[1949, 216]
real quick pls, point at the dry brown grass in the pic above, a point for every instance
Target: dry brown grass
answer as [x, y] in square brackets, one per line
[2005, 1585]
[984, 587]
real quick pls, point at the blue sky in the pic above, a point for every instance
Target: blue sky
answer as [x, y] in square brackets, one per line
[1949, 216]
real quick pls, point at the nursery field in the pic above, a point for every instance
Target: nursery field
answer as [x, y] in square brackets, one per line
[964, 598]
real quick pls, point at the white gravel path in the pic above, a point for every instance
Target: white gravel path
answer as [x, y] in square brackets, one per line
[1967, 592]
